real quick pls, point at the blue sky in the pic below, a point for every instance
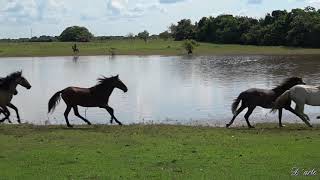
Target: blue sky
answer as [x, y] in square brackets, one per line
[121, 17]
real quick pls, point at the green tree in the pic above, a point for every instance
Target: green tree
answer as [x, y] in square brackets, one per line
[299, 27]
[189, 45]
[76, 33]
[165, 35]
[183, 30]
[144, 35]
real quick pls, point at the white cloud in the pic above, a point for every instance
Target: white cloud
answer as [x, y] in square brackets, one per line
[254, 2]
[28, 11]
[119, 9]
[170, 1]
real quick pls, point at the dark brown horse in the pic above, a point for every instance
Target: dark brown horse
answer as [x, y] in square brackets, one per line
[96, 96]
[265, 98]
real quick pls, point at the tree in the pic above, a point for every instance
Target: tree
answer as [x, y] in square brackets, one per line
[165, 35]
[190, 45]
[130, 36]
[183, 30]
[76, 33]
[144, 35]
[300, 27]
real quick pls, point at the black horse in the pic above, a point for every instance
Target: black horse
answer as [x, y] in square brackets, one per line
[265, 98]
[8, 89]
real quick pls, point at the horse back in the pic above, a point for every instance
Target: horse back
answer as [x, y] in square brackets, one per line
[259, 97]
[81, 96]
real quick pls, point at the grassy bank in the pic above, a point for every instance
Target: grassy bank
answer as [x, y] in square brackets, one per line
[157, 152]
[139, 47]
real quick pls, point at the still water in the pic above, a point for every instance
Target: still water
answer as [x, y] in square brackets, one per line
[162, 89]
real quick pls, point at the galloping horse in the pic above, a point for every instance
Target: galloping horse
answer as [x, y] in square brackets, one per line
[301, 95]
[96, 96]
[265, 98]
[8, 89]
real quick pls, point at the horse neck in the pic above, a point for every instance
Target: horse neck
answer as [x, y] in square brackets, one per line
[12, 87]
[280, 90]
[103, 91]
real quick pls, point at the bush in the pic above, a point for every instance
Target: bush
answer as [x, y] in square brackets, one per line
[190, 45]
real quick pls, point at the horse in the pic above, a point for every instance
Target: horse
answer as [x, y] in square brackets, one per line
[264, 98]
[14, 93]
[75, 49]
[8, 89]
[96, 96]
[301, 95]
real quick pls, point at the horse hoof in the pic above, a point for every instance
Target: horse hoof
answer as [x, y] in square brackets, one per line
[251, 127]
[70, 126]
[227, 125]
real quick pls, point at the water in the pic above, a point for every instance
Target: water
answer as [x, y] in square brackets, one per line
[162, 89]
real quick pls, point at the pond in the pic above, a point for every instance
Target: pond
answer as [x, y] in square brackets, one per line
[185, 90]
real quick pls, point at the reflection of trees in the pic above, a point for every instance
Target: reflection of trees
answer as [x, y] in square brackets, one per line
[259, 69]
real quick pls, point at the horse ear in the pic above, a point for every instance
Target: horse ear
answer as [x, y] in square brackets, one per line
[117, 76]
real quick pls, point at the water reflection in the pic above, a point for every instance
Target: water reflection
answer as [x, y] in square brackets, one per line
[175, 89]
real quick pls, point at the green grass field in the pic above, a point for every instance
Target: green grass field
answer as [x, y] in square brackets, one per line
[139, 47]
[157, 152]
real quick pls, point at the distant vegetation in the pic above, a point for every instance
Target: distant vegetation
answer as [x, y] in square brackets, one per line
[76, 34]
[190, 45]
[297, 28]
[144, 35]
[300, 27]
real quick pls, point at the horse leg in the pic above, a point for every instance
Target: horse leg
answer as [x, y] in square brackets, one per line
[280, 117]
[300, 109]
[111, 112]
[235, 115]
[76, 112]
[6, 113]
[247, 115]
[16, 110]
[299, 115]
[66, 113]
[305, 115]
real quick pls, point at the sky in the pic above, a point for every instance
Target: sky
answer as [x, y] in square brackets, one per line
[121, 17]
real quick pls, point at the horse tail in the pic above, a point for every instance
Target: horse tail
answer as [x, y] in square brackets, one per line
[54, 100]
[281, 101]
[235, 103]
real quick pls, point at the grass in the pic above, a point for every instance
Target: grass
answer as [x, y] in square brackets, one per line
[157, 152]
[139, 47]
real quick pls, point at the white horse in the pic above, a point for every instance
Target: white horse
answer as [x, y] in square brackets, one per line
[301, 95]
[8, 89]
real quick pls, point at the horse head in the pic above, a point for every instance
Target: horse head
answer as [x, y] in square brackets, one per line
[119, 84]
[23, 81]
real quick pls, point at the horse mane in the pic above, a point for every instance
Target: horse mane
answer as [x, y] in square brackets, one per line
[286, 82]
[5, 82]
[104, 80]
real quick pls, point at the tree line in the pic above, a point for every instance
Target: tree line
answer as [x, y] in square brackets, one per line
[299, 27]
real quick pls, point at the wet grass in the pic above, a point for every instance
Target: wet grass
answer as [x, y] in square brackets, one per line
[139, 47]
[157, 152]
